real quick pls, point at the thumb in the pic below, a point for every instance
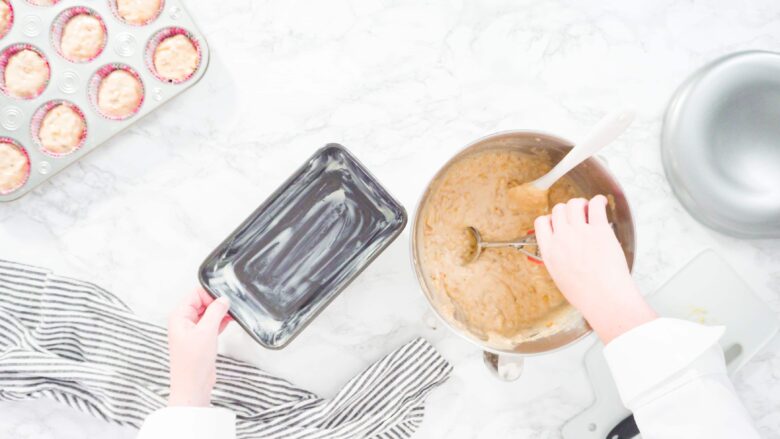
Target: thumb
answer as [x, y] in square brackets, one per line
[214, 314]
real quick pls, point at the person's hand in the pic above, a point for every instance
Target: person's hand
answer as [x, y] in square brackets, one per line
[192, 341]
[584, 258]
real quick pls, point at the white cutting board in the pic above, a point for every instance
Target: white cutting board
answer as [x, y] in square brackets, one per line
[706, 290]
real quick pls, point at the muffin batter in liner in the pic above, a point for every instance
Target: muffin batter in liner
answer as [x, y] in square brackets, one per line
[97, 79]
[37, 122]
[62, 20]
[157, 39]
[131, 18]
[8, 17]
[5, 58]
[5, 187]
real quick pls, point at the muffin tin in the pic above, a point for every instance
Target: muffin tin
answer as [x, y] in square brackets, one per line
[129, 47]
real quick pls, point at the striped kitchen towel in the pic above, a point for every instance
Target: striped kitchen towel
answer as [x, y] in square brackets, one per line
[78, 344]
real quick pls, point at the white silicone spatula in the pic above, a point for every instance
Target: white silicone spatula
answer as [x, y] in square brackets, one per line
[607, 130]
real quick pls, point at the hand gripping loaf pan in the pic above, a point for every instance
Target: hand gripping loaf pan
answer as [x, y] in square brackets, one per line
[302, 246]
[127, 45]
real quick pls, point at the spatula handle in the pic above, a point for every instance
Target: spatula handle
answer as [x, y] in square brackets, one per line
[607, 130]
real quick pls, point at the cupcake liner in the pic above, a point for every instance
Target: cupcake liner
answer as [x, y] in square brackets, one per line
[37, 3]
[37, 120]
[26, 155]
[161, 36]
[6, 55]
[11, 17]
[115, 10]
[62, 19]
[97, 78]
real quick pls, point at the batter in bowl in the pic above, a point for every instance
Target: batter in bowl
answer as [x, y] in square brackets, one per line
[176, 58]
[62, 130]
[14, 167]
[83, 38]
[5, 17]
[119, 95]
[503, 296]
[26, 74]
[138, 12]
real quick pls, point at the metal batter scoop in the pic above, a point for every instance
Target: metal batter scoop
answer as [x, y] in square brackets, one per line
[522, 245]
[529, 240]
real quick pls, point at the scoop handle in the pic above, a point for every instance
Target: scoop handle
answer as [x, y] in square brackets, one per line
[605, 131]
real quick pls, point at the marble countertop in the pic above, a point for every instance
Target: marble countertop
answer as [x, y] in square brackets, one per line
[404, 85]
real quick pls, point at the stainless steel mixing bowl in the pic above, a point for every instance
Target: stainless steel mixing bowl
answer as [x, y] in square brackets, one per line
[592, 178]
[721, 145]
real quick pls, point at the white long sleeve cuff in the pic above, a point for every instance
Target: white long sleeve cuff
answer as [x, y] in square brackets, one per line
[645, 356]
[672, 375]
[189, 423]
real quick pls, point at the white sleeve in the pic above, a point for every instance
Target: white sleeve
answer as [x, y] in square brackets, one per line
[189, 423]
[672, 375]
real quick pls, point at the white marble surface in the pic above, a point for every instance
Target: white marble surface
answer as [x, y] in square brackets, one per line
[404, 85]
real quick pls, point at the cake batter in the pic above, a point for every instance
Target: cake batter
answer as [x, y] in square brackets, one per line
[502, 295]
[62, 130]
[5, 17]
[176, 58]
[120, 94]
[138, 12]
[527, 196]
[83, 38]
[14, 167]
[26, 74]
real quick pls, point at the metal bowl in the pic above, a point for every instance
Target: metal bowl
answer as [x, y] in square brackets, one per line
[591, 177]
[721, 144]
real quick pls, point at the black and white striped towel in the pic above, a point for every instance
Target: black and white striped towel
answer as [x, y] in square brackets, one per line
[75, 342]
